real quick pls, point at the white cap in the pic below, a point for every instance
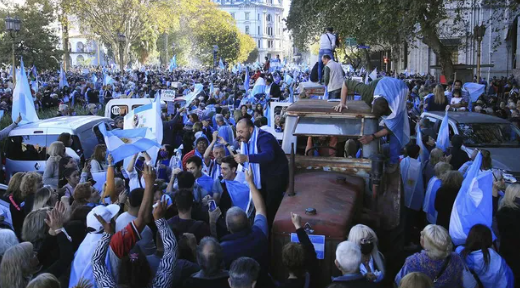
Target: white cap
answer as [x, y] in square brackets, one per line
[106, 212]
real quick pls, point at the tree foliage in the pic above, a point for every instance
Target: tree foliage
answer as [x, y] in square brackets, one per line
[391, 22]
[36, 41]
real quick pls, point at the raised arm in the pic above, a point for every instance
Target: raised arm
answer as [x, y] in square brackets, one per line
[110, 189]
[131, 165]
[164, 276]
[258, 201]
[102, 276]
[207, 153]
[145, 211]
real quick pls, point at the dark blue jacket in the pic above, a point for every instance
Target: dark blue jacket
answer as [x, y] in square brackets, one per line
[270, 156]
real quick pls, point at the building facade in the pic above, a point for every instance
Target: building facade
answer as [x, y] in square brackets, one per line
[83, 51]
[500, 46]
[263, 21]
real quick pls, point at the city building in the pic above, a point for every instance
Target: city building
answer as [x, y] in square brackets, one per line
[500, 46]
[83, 50]
[263, 21]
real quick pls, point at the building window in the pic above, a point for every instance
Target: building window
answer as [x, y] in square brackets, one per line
[270, 44]
[80, 47]
[269, 1]
[269, 18]
[247, 15]
[258, 17]
[247, 30]
[269, 31]
[259, 46]
[259, 30]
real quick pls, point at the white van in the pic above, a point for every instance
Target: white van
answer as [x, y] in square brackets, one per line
[26, 147]
[121, 106]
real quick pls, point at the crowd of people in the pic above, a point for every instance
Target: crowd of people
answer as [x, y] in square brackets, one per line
[199, 213]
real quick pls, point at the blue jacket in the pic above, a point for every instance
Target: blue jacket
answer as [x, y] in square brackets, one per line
[270, 156]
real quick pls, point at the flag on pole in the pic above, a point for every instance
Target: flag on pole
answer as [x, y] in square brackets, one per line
[34, 72]
[23, 103]
[424, 155]
[211, 89]
[173, 63]
[221, 64]
[443, 138]
[107, 80]
[373, 75]
[63, 78]
[94, 78]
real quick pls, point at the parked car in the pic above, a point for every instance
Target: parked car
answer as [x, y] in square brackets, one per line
[332, 191]
[482, 131]
[25, 148]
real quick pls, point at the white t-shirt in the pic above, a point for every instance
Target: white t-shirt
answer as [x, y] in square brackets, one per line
[133, 182]
[325, 43]
[456, 100]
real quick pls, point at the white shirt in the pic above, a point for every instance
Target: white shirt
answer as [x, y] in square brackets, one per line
[325, 43]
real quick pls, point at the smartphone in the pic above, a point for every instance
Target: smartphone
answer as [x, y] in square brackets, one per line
[212, 205]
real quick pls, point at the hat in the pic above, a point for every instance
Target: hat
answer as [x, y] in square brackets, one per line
[205, 117]
[106, 212]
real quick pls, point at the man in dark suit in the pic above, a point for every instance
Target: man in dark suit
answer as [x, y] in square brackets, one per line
[274, 92]
[274, 167]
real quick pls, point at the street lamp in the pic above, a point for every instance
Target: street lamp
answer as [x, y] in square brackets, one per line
[12, 25]
[215, 50]
[478, 32]
[122, 39]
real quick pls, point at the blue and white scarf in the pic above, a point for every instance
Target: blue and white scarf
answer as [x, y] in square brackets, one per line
[239, 194]
[251, 148]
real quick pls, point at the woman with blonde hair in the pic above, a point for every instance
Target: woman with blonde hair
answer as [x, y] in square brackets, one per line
[437, 261]
[416, 280]
[432, 187]
[13, 196]
[31, 182]
[44, 197]
[51, 174]
[45, 280]
[372, 263]
[97, 162]
[438, 101]
[34, 228]
[18, 266]
[508, 217]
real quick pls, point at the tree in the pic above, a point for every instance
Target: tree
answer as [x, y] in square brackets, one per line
[247, 45]
[35, 41]
[390, 22]
[253, 56]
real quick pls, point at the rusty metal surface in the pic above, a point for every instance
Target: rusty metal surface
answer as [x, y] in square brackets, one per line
[390, 200]
[336, 203]
[305, 107]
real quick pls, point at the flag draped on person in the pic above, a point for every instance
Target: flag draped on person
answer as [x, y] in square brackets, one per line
[122, 144]
[443, 138]
[239, 193]
[63, 78]
[424, 155]
[474, 203]
[23, 103]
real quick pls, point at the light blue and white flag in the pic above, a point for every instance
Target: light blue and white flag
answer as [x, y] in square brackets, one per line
[94, 78]
[122, 144]
[239, 193]
[474, 203]
[221, 64]
[23, 103]
[259, 87]
[34, 85]
[424, 155]
[326, 95]
[474, 90]
[411, 174]
[211, 89]
[429, 199]
[443, 138]
[395, 93]
[252, 148]
[226, 132]
[373, 74]
[107, 80]
[173, 63]
[191, 96]
[63, 78]
[34, 72]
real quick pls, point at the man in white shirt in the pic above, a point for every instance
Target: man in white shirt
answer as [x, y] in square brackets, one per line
[327, 47]
[333, 77]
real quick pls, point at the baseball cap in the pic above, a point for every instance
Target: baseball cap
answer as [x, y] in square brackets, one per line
[106, 212]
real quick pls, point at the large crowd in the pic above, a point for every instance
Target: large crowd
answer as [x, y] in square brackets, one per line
[180, 221]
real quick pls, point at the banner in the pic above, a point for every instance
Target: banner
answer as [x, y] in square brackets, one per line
[168, 95]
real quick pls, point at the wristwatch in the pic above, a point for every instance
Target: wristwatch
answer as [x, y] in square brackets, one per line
[57, 231]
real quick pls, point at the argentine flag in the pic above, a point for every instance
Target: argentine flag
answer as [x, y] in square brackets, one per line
[23, 103]
[443, 138]
[221, 64]
[125, 143]
[474, 203]
[246, 81]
